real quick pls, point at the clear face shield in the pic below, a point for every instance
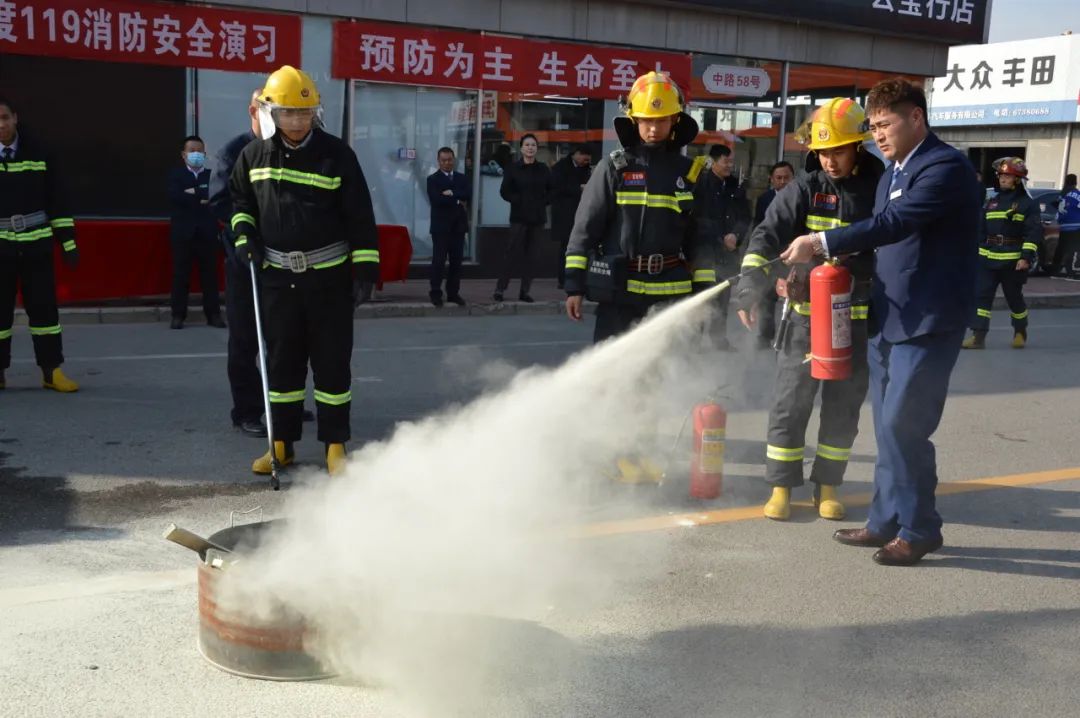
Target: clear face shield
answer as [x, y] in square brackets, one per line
[289, 119]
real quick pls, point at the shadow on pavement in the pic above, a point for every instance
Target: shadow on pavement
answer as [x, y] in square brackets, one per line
[42, 509]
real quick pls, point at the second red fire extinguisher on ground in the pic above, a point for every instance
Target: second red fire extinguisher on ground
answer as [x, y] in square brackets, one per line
[707, 462]
[830, 322]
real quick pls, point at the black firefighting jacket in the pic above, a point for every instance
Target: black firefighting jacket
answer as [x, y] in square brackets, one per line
[30, 183]
[303, 199]
[814, 202]
[1011, 229]
[639, 202]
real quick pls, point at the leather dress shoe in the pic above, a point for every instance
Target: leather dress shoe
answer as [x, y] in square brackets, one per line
[216, 321]
[860, 537]
[456, 299]
[525, 298]
[176, 323]
[436, 299]
[899, 552]
[253, 428]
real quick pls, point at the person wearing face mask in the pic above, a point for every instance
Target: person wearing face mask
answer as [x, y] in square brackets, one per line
[193, 233]
[837, 189]
[302, 216]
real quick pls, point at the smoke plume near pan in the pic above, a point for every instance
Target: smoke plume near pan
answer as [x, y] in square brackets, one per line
[432, 565]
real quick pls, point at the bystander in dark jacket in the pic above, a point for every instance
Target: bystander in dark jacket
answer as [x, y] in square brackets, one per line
[568, 178]
[193, 233]
[526, 186]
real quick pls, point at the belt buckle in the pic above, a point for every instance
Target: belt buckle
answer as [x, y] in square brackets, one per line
[18, 222]
[656, 264]
[298, 263]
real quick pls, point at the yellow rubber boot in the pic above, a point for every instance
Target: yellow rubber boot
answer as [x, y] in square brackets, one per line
[653, 473]
[629, 471]
[829, 506]
[1019, 340]
[778, 507]
[56, 381]
[335, 459]
[977, 340]
[284, 453]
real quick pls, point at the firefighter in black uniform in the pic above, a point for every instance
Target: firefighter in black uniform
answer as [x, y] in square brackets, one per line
[722, 213]
[34, 217]
[1011, 232]
[838, 189]
[303, 214]
[634, 243]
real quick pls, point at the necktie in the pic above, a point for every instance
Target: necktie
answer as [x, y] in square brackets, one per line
[895, 176]
[8, 154]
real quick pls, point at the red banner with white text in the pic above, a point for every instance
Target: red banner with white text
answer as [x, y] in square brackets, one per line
[150, 33]
[416, 55]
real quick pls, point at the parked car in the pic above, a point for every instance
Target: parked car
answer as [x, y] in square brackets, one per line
[1049, 200]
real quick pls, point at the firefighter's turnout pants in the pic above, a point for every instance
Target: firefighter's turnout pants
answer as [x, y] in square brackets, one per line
[309, 319]
[31, 270]
[1012, 281]
[793, 402]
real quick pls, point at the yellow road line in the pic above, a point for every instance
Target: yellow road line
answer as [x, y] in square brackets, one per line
[745, 513]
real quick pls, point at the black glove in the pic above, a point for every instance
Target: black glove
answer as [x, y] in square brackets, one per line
[362, 291]
[249, 253]
[71, 258]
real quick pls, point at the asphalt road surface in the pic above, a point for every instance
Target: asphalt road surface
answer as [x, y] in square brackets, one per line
[723, 614]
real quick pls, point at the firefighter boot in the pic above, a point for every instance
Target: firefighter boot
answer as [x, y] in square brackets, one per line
[1019, 339]
[779, 506]
[335, 459]
[828, 503]
[54, 379]
[3, 384]
[629, 471]
[284, 452]
[653, 473]
[977, 340]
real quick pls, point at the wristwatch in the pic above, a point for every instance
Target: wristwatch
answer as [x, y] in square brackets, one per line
[817, 243]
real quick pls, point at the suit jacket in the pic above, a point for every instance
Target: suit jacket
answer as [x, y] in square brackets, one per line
[448, 215]
[190, 218]
[925, 235]
[220, 199]
[762, 205]
[567, 179]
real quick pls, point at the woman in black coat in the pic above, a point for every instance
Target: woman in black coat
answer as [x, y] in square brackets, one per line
[526, 186]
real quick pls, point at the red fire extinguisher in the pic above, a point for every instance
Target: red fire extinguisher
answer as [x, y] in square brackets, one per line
[707, 463]
[830, 322]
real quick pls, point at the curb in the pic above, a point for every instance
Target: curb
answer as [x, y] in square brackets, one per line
[395, 310]
[398, 310]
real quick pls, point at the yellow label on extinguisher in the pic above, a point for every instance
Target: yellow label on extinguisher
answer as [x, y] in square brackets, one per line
[712, 451]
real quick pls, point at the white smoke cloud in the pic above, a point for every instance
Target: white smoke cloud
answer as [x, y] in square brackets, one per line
[419, 567]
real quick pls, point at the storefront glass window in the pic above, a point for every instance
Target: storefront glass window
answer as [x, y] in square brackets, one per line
[397, 131]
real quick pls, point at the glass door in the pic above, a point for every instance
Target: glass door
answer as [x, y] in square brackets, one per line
[397, 131]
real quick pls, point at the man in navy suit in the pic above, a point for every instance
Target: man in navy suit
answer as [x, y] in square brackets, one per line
[924, 233]
[449, 193]
[193, 233]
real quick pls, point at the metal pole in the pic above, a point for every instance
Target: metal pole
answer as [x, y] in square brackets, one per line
[474, 205]
[783, 110]
[1065, 154]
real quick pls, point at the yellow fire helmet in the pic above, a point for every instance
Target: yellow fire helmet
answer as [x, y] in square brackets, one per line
[653, 95]
[287, 100]
[840, 121]
[289, 87]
